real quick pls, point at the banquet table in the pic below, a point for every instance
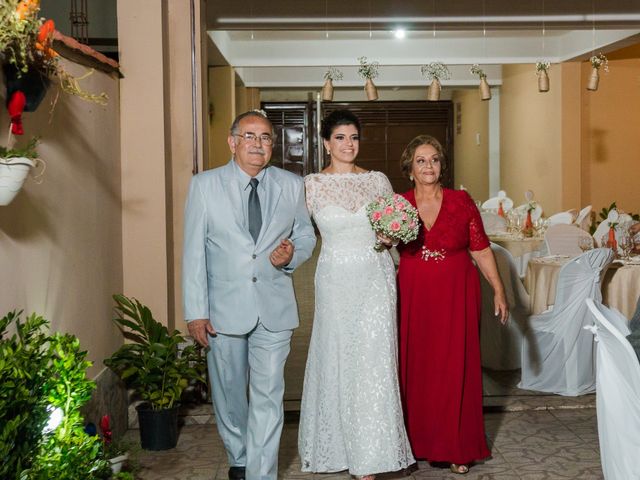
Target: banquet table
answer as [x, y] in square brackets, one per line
[521, 248]
[620, 285]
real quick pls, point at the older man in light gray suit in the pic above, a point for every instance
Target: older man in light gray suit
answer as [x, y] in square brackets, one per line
[246, 230]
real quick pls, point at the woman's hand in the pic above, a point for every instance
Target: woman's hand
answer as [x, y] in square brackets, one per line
[501, 307]
[386, 241]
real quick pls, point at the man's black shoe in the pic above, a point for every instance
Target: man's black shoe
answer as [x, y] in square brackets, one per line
[236, 473]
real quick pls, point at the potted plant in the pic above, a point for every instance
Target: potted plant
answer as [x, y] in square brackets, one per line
[368, 71]
[542, 71]
[155, 368]
[329, 76]
[15, 164]
[485, 90]
[435, 71]
[597, 61]
[29, 60]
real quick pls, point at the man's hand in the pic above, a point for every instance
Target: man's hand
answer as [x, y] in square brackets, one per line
[200, 329]
[282, 254]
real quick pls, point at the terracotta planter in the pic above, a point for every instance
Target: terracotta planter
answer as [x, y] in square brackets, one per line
[433, 92]
[327, 90]
[485, 90]
[13, 173]
[371, 90]
[594, 79]
[543, 81]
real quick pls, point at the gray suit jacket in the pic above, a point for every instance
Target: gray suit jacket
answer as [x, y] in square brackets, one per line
[226, 277]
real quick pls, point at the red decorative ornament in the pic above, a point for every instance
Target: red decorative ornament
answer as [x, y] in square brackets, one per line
[15, 106]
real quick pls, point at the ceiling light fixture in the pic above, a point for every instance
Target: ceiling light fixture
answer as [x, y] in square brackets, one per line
[399, 33]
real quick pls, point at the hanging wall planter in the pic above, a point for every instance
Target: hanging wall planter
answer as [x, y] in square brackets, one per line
[435, 71]
[368, 71]
[542, 69]
[327, 89]
[597, 61]
[13, 173]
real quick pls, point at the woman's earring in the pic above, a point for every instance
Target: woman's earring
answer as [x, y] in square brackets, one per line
[411, 177]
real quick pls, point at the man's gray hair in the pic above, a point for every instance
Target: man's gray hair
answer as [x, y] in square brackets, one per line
[235, 130]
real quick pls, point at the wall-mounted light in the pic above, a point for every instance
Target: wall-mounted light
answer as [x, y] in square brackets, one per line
[399, 33]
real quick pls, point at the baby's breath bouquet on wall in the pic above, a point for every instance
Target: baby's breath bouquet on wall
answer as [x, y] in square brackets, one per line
[597, 62]
[542, 71]
[368, 71]
[331, 74]
[485, 90]
[435, 71]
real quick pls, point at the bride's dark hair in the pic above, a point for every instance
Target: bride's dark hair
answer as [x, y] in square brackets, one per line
[337, 118]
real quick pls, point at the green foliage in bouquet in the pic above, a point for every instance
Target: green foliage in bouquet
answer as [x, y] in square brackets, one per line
[604, 214]
[28, 151]
[152, 365]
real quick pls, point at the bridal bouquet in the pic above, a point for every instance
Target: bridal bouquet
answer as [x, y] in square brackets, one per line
[394, 217]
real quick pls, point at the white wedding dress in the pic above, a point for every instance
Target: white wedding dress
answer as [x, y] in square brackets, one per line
[351, 415]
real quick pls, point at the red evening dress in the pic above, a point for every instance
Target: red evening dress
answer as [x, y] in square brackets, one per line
[439, 356]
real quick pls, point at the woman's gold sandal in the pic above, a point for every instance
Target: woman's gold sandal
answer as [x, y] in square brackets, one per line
[459, 469]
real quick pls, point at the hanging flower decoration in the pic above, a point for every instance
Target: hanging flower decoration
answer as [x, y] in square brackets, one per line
[541, 67]
[29, 60]
[476, 70]
[333, 73]
[435, 71]
[598, 61]
[367, 70]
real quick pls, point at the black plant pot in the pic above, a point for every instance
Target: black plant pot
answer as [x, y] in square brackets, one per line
[158, 428]
[33, 84]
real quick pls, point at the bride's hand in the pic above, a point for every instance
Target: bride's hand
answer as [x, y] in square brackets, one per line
[386, 241]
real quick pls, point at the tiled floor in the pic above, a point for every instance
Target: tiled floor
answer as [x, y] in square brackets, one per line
[531, 445]
[532, 436]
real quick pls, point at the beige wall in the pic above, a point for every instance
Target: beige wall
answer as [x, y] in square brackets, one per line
[157, 146]
[530, 137]
[611, 134]
[61, 240]
[471, 159]
[222, 101]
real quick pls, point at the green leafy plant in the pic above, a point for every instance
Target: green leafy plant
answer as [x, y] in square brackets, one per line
[28, 151]
[435, 71]
[476, 70]
[604, 214]
[44, 377]
[367, 70]
[153, 364]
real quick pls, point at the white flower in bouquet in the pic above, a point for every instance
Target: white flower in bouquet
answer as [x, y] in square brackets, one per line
[394, 217]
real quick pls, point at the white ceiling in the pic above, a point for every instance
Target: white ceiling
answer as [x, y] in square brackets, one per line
[286, 43]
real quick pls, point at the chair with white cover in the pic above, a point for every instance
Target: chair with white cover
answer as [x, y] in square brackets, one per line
[564, 239]
[500, 345]
[494, 202]
[557, 353]
[493, 223]
[562, 218]
[582, 220]
[634, 326]
[617, 394]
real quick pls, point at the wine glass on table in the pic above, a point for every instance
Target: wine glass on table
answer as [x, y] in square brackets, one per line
[585, 243]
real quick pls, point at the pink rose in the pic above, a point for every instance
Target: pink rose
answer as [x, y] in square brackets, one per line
[412, 225]
[395, 226]
[388, 210]
[377, 215]
[404, 217]
[400, 206]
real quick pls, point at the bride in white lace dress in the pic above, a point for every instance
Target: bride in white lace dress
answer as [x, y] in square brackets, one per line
[351, 415]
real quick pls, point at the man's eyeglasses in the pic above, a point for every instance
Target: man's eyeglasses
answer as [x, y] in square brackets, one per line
[265, 138]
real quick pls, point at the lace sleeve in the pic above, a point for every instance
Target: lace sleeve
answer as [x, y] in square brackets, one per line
[308, 193]
[478, 239]
[384, 184]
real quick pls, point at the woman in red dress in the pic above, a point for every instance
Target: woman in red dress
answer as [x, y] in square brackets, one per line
[439, 290]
